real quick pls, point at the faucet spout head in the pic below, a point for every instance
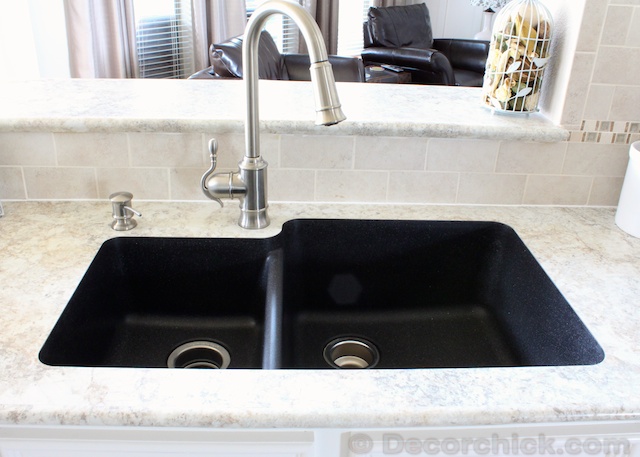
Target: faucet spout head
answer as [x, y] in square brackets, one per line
[328, 108]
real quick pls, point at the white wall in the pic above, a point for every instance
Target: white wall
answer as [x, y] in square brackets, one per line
[16, 42]
[567, 22]
[33, 40]
[50, 34]
[454, 18]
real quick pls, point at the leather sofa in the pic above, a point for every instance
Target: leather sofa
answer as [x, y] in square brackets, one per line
[402, 36]
[226, 62]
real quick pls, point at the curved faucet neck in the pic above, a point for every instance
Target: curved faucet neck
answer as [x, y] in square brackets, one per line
[321, 77]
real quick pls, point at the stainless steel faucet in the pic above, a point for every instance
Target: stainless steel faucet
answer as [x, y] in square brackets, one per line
[249, 183]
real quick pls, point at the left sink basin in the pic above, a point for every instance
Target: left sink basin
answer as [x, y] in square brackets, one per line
[153, 302]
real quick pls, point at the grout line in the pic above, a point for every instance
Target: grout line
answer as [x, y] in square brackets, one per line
[24, 183]
[96, 181]
[525, 189]
[56, 161]
[495, 162]
[589, 194]
[426, 155]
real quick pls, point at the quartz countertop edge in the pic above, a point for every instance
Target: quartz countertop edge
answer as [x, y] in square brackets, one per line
[286, 107]
[593, 263]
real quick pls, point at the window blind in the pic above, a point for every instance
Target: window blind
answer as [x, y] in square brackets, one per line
[351, 15]
[164, 39]
[283, 30]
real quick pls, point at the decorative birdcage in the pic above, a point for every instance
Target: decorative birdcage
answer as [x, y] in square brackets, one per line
[518, 55]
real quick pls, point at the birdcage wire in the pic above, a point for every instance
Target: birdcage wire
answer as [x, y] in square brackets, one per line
[519, 53]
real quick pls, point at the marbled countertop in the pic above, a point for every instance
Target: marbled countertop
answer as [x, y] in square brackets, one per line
[217, 106]
[46, 247]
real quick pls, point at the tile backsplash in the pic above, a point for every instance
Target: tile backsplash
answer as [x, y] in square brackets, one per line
[607, 132]
[168, 166]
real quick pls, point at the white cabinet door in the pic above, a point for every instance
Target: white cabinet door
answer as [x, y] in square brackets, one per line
[141, 442]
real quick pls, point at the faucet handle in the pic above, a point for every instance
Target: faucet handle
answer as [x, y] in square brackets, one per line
[213, 156]
[121, 206]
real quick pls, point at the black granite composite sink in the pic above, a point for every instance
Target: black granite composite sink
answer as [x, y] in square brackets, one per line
[322, 294]
[141, 298]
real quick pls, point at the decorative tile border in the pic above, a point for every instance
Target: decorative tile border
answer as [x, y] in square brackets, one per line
[606, 132]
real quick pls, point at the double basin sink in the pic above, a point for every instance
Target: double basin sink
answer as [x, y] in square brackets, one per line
[322, 294]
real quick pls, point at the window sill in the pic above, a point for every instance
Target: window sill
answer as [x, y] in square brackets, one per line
[285, 107]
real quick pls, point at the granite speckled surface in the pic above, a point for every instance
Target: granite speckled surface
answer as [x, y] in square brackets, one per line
[285, 107]
[47, 246]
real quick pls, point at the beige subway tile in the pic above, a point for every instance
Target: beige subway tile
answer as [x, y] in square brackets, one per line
[592, 22]
[491, 188]
[462, 155]
[587, 159]
[575, 100]
[11, 184]
[143, 183]
[316, 152]
[92, 149]
[270, 149]
[390, 153]
[291, 185]
[557, 190]
[27, 149]
[633, 37]
[617, 65]
[626, 101]
[605, 191]
[351, 186]
[616, 25]
[60, 183]
[166, 150]
[422, 187]
[521, 157]
[599, 101]
[185, 184]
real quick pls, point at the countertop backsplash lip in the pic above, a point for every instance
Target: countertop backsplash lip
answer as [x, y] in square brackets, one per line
[79, 106]
[593, 263]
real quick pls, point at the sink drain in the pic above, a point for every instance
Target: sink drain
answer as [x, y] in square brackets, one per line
[199, 354]
[348, 352]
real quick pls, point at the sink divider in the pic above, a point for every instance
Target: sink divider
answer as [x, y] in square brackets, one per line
[272, 347]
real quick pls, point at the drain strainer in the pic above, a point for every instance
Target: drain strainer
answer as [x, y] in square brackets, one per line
[199, 354]
[349, 352]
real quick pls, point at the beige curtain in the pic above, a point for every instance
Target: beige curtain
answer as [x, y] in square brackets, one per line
[385, 3]
[101, 37]
[325, 12]
[215, 21]
[101, 34]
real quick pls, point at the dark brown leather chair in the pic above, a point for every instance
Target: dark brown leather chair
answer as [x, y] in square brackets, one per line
[402, 36]
[226, 62]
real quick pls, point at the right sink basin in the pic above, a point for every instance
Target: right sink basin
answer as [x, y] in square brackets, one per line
[422, 294]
